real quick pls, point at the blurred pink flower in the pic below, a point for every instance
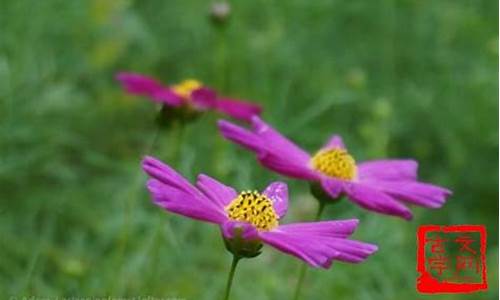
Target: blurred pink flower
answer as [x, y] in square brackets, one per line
[189, 93]
[380, 185]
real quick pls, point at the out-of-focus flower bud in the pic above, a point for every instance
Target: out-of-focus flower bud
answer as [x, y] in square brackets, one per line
[220, 11]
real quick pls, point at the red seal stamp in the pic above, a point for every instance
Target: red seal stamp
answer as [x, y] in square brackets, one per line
[451, 259]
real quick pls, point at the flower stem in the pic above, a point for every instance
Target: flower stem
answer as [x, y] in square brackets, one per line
[177, 136]
[303, 267]
[231, 275]
[302, 274]
[154, 141]
[321, 208]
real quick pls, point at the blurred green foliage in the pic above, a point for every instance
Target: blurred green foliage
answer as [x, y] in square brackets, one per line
[397, 78]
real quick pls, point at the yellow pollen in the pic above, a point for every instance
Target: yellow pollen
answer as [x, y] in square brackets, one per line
[254, 208]
[186, 87]
[335, 163]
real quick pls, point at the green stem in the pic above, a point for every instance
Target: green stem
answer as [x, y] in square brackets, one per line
[303, 267]
[302, 274]
[230, 277]
[154, 140]
[177, 136]
[321, 208]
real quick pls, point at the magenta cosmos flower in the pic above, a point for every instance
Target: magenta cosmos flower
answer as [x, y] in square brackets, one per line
[382, 186]
[254, 216]
[189, 93]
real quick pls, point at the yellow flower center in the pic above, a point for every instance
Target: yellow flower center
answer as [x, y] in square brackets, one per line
[186, 87]
[335, 163]
[254, 208]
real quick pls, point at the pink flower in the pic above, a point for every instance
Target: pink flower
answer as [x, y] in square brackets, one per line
[380, 185]
[254, 217]
[189, 93]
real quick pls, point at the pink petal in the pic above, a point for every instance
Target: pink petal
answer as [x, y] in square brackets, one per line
[139, 84]
[241, 136]
[238, 109]
[419, 193]
[219, 193]
[319, 243]
[334, 142]
[204, 98]
[180, 202]
[372, 199]
[167, 96]
[174, 193]
[278, 193]
[277, 141]
[333, 187]
[168, 176]
[248, 230]
[142, 85]
[297, 247]
[394, 169]
[281, 164]
[272, 149]
[338, 229]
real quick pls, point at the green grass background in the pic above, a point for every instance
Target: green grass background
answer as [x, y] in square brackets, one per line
[405, 78]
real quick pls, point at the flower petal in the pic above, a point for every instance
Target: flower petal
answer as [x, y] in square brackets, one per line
[248, 231]
[419, 193]
[278, 193]
[393, 169]
[204, 98]
[219, 193]
[238, 109]
[174, 193]
[167, 96]
[335, 141]
[338, 229]
[296, 247]
[372, 199]
[352, 251]
[160, 171]
[139, 84]
[272, 149]
[276, 141]
[180, 202]
[241, 136]
[281, 164]
[332, 186]
[316, 244]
